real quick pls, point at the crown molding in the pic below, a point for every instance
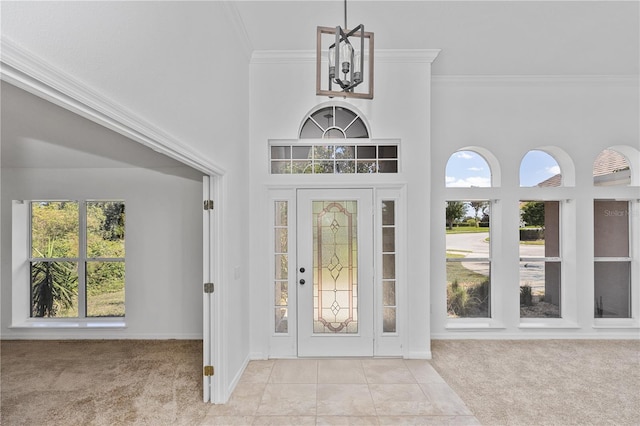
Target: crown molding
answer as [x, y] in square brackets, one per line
[382, 55]
[31, 73]
[526, 80]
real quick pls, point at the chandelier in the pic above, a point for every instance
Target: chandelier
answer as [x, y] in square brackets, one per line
[344, 67]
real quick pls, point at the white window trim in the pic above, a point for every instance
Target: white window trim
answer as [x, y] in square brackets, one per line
[20, 294]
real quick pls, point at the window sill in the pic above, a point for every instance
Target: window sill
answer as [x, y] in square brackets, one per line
[475, 325]
[91, 324]
[619, 323]
[547, 324]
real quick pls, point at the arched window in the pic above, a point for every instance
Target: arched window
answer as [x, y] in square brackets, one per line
[333, 122]
[467, 169]
[539, 168]
[611, 168]
[344, 154]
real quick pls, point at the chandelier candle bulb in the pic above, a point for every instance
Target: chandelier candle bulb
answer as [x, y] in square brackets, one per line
[332, 62]
[346, 53]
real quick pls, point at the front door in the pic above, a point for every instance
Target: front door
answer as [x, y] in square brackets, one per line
[335, 272]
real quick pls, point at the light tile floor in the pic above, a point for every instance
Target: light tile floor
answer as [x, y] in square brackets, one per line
[341, 392]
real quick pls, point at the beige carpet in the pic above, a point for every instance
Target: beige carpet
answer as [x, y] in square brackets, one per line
[159, 382]
[101, 383]
[544, 382]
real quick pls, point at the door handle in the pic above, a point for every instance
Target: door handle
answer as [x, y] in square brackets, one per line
[302, 281]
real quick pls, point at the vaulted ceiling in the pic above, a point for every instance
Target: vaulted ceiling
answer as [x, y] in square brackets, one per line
[166, 61]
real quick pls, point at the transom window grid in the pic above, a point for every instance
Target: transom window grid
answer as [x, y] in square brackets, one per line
[333, 159]
[468, 261]
[77, 263]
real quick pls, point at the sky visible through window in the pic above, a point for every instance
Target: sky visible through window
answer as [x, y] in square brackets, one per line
[466, 169]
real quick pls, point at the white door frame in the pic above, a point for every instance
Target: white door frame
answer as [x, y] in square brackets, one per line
[213, 322]
[335, 344]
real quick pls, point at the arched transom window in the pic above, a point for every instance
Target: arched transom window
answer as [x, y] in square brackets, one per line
[333, 122]
[334, 140]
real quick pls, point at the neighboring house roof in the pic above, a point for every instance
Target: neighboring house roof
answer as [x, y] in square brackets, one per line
[607, 163]
[555, 180]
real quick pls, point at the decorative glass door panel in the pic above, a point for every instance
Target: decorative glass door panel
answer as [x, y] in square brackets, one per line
[335, 272]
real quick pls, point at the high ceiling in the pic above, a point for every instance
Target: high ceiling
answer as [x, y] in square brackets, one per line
[165, 60]
[476, 37]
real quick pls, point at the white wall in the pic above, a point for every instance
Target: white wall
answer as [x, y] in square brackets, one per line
[181, 68]
[163, 294]
[508, 116]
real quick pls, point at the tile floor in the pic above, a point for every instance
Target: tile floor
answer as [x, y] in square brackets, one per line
[341, 392]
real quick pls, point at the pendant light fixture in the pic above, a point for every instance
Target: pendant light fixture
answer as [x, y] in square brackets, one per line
[346, 61]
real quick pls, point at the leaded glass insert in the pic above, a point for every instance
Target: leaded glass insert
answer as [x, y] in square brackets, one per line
[335, 270]
[389, 301]
[281, 266]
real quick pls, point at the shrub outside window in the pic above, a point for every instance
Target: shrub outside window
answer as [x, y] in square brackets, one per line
[468, 259]
[77, 259]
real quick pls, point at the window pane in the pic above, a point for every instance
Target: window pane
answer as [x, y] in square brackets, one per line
[367, 167]
[281, 213]
[310, 131]
[388, 212]
[611, 168]
[345, 166]
[468, 289]
[54, 289]
[388, 266]
[301, 152]
[345, 152]
[389, 293]
[611, 228]
[282, 267]
[281, 320]
[389, 166]
[388, 240]
[612, 289]
[466, 169]
[280, 152]
[281, 273]
[105, 229]
[280, 167]
[366, 152]
[54, 229]
[282, 294]
[388, 151]
[281, 240]
[468, 217]
[324, 152]
[540, 289]
[389, 320]
[539, 169]
[105, 289]
[539, 229]
[357, 130]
